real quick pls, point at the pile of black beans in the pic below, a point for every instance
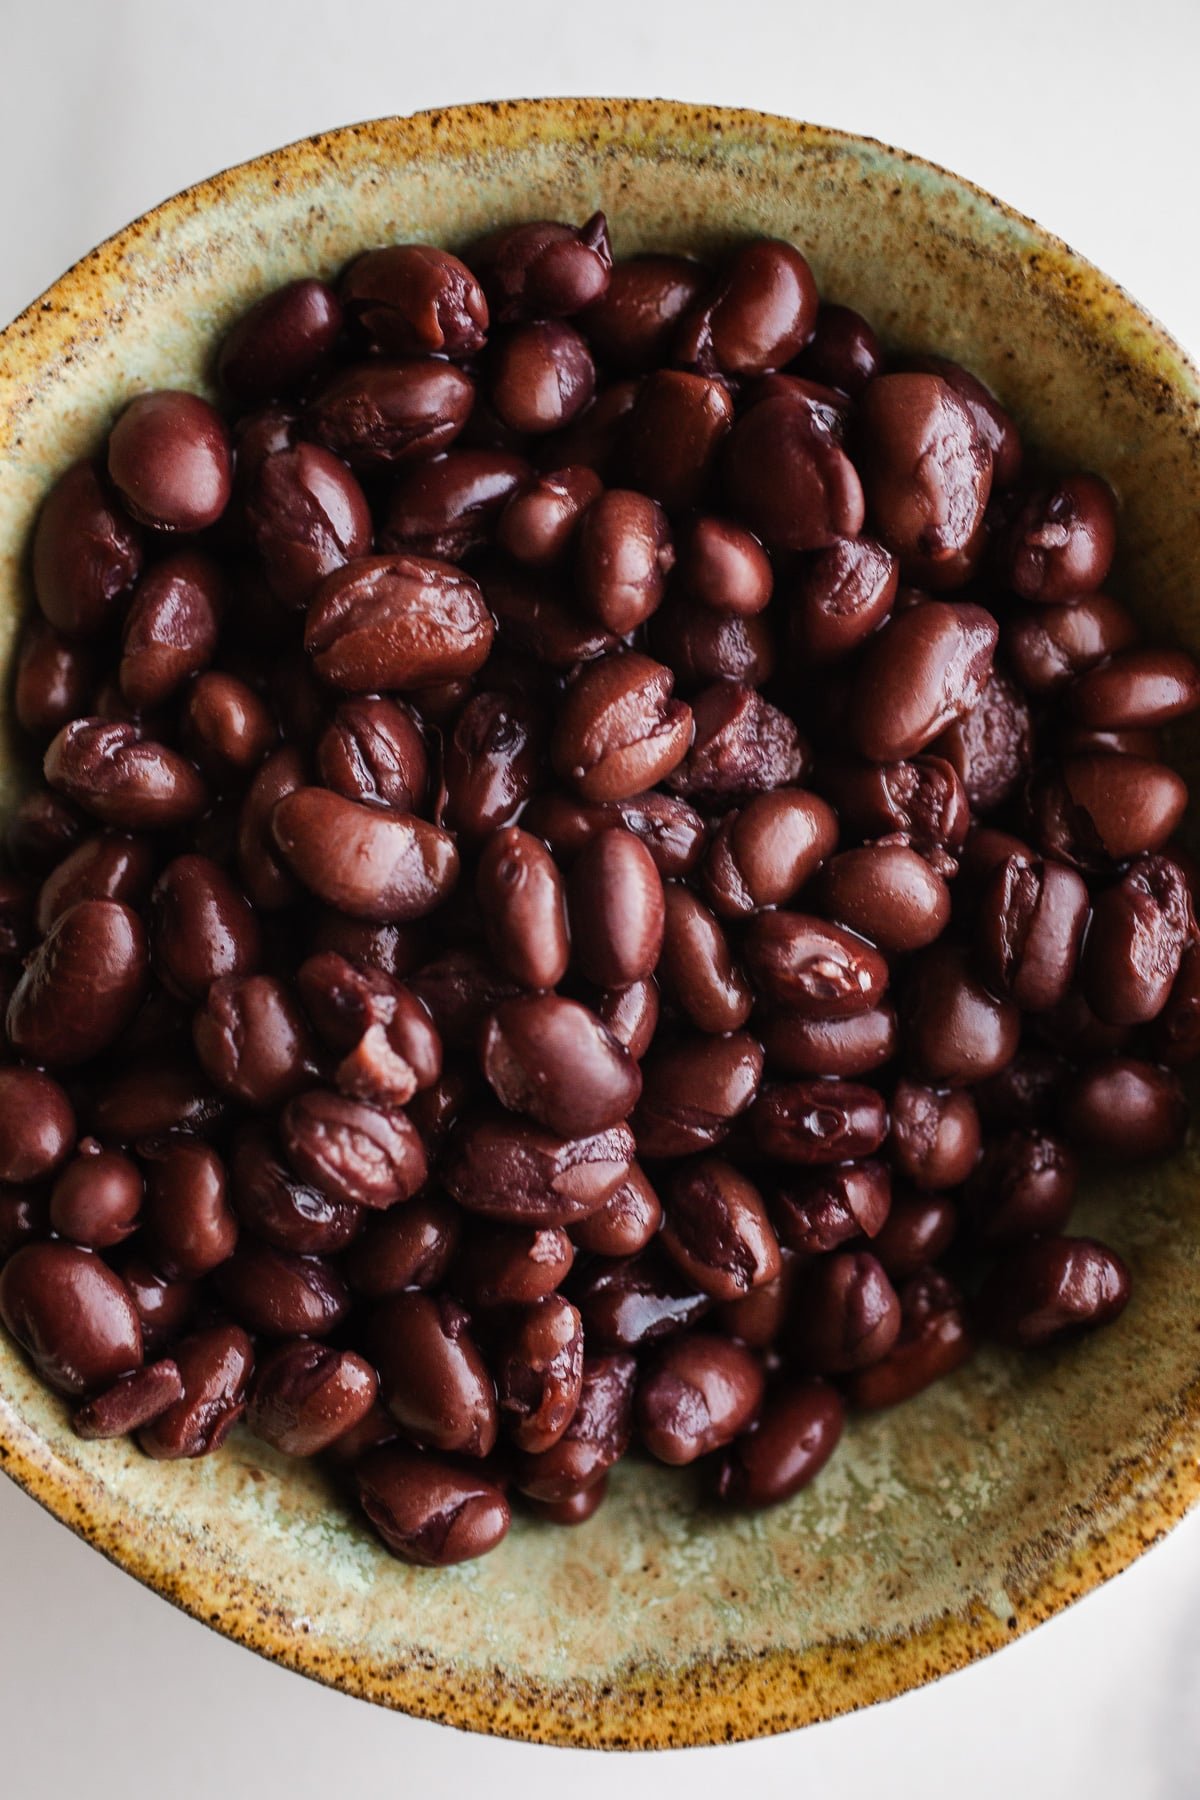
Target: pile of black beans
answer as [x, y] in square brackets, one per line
[604, 854]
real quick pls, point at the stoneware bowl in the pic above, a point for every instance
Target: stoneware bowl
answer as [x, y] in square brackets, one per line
[939, 1532]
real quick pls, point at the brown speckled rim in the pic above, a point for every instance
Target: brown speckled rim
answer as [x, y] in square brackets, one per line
[723, 1697]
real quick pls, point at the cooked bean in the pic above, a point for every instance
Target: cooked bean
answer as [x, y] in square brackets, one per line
[1135, 943]
[887, 893]
[191, 1225]
[539, 522]
[1024, 1186]
[935, 1135]
[123, 779]
[918, 1229]
[632, 324]
[816, 970]
[815, 1213]
[132, 1401]
[597, 1437]
[511, 1265]
[353, 1152]
[264, 876]
[288, 1213]
[82, 986]
[848, 1315]
[934, 1340]
[1049, 1288]
[1124, 1110]
[693, 1089]
[1032, 916]
[810, 1122]
[991, 746]
[1062, 540]
[789, 1444]
[957, 1032]
[618, 730]
[627, 1221]
[789, 479]
[305, 1396]
[54, 679]
[723, 566]
[718, 1231]
[415, 300]
[276, 1294]
[507, 1169]
[37, 1125]
[373, 864]
[696, 969]
[1047, 646]
[428, 1511]
[764, 853]
[842, 594]
[700, 1392]
[169, 457]
[215, 1366]
[554, 1061]
[491, 762]
[799, 1046]
[381, 413]
[671, 439]
[521, 893]
[201, 928]
[432, 1376]
[97, 1198]
[71, 1315]
[926, 668]
[631, 1014]
[760, 313]
[1101, 808]
[397, 621]
[742, 746]
[87, 553]
[617, 910]
[539, 1377]
[373, 750]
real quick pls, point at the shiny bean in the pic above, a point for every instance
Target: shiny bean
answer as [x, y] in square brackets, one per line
[927, 473]
[170, 459]
[305, 1396]
[788, 1446]
[724, 567]
[742, 745]
[761, 855]
[123, 779]
[415, 300]
[171, 627]
[693, 1089]
[432, 1376]
[815, 1213]
[696, 969]
[597, 1437]
[887, 893]
[703, 645]
[509, 1170]
[373, 750]
[1137, 688]
[1102, 808]
[190, 1223]
[627, 1221]
[670, 441]
[816, 970]
[307, 516]
[1031, 919]
[956, 1031]
[717, 1229]
[41, 831]
[631, 1014]
[934, 1340]
[672, 832]
[576, 1509]
[201, 928]
[618, 729]
[923, 800]
[1139, 931]
[154, 1094]
[553, 1060]
[411, 1246]
[71, 1315]
[1049, 646]
[511, 1265]
[537, 620]
[521, 893]
[287, 1213]
[37, 1125]
[1175, 1034]
[543, 270]
[925, 669]
[397, 621]
[451, 505]
[132, 1401]
[617, 910]
[459, 990]
[935, 1135]
[795, 1045]
[228, 728]
[1024, 1186]
[637, 1300]
[97, 1197]
[919, 1229]
[264, 876]
[386, 412]
[388, 1043]
[1050, 1288]
[281, 341]
[539, 1377]
[539, 522]
[623, 556]
[788, 478]
[700, 1392]
[1124, 1110]
[991, 746]
[843, 351]
[275, 1294]
[809, 1122]
[760, 313]
[492, 761]
[82, 986]
[87, 553]
[540, 376]
[841, 595]
[54, 679]
[1062, 540]
[428, 1511]
[355, 1153]
[164, 1308]
[373, 864]
[848, 1315]
[215, 1366]
[633, 322]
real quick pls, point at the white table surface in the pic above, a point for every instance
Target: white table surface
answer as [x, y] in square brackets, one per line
[1078, 111]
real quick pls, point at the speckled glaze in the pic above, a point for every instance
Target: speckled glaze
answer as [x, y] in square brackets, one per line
[939, 1532]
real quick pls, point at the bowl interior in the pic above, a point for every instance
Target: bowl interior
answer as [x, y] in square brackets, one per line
[938, 1531]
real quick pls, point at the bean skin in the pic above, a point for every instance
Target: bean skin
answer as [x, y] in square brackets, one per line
[724, 567]
[539, 1378]
[451, 505]
[276, 1294]
[397, 621]
[164, 1308]
[807, 1122]
[1125, 1110]
[415, 300]
[957, 1032]
[788, 478]
[375, 865]
[191, 1225]
[760, 313]
[506, 1169]
[1050, 1288]
[305, 1396]
[623, 554]
[264, 876]
[492, 761]
[539, 522]
[632, 1014]
[286, 1212]
[386, 412]
[718, 1231]
[1061, 542]
[353, 1152]
[170, 459]
[617, 910]
[228, 728]
[83, 985]
[544, 269]
[1135, 944]
[742, 745]
[633, 322]
[618, 731]
[626, 1223]
[848, 1314]
[432, 1377]
[521, 892]
[373, 750]
[764, 853]
[1032, 916]
[700, 1392]
[787, 1447]
[671, 439]
[925, 669]
[307, 516]
[1137, 689]
[280, 341]
[841, 595]
[597, 1437]
[1024, 1186]
[71, 1315]
[1100, 808]
[818, 971]
[693, 1089]
[429, 1511]
[201, 928]
[123, 779]
[696, 969]
[927, 474]
[935, 1136]
[935, 1339]
[87, 553]
[97, 1198]
[887, 893]
[54, 679]
[410, 1246]
[37, 1125]
[171, 628]
[856, 1046]
[636, 1300]
[992, 745]
[1047, 646]
[813, 1214]
[252, 1040]
[919, 1228]
[511, 1265]
[923, 799]
[132, 1401]
[553, 1060]
[215, 1366]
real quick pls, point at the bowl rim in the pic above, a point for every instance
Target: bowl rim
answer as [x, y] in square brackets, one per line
[721, 1698]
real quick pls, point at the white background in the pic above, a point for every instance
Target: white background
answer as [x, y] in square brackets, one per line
[1081, 112]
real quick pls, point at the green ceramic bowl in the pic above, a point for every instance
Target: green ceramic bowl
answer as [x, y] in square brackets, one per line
[939, 1532]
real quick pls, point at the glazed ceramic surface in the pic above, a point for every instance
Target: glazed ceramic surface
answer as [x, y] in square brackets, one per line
[940, 1531]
